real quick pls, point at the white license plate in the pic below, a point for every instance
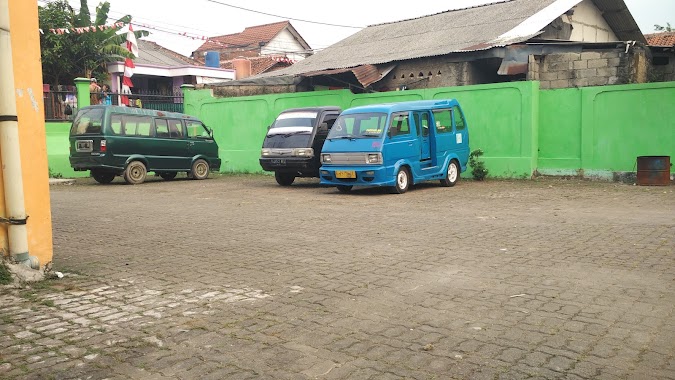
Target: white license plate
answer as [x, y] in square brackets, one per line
[84, 145]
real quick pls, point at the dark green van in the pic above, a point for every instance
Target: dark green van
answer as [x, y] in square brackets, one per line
[126, 141]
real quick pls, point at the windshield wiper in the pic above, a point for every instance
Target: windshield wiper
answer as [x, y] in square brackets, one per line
[351, 137]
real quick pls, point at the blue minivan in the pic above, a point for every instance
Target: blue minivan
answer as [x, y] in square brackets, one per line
[396, 145]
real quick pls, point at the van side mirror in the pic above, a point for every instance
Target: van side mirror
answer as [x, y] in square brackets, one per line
[323, 128]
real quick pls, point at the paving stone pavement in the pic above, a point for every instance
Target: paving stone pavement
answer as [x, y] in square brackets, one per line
[235, 277]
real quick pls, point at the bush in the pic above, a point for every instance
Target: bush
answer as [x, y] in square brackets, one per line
[478, 170]
[5, 275]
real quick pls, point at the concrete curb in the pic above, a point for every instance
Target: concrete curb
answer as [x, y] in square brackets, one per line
[61, 181]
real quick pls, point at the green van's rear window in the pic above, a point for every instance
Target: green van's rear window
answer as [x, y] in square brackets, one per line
[88, 122]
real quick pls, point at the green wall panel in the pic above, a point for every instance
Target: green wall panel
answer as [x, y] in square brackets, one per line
[58, 150]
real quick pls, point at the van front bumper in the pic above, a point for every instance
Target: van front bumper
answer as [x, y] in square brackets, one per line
[290, 164]
[365, 176]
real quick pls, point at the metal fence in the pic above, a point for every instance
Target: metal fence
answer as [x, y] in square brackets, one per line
[60, 105]
[153, 100]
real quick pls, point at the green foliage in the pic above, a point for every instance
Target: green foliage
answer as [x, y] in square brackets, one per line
[478, 170]
[661, 28]
[5, 275]
[70, 55]
[53, 174]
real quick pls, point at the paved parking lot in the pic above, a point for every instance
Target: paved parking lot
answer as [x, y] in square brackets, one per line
[237, 278]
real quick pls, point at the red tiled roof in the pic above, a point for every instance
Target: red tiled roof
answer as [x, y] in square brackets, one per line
[661, 39]
[251, 36]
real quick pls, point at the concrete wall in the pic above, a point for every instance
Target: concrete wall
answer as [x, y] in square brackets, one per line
[588, 25]
[597, 131]
[436, 72]
[25, 41]
[589, 68]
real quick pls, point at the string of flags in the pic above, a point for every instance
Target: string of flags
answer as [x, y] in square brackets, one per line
[85, 29]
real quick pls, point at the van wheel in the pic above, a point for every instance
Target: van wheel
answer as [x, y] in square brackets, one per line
[200, 169]
[168, 175]
[284, 179]
[402, 181]
[452, 175]
[344, 188]
[135, 173]
[102, 176]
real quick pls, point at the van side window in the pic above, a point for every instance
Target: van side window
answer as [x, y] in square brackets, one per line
[161, 128]
[459, 118]
[422, 123]
[137, 125]
[175, 128]
[400, 125]
[116, 124]
[196, 129]
[443, 120]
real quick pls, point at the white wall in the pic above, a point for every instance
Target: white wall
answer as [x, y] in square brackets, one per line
[286, 44]
[589, 25]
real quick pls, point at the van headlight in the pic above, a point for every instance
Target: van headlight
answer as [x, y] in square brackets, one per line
[303, 152]
[265, 152]
[374, 158]
[325, 159]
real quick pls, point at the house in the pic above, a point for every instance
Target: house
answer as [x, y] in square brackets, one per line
[662, 46]
[278, 39]
[561, 43]
[160, 70]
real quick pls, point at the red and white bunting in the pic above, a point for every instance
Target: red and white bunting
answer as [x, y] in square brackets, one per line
[84, 29]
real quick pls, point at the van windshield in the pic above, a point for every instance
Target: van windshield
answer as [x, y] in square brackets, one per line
[293, 123]
[359, 126]
[88, 122]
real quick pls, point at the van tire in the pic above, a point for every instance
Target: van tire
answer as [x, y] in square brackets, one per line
[103, 177]
[344, 189]
[168, 175]
[451, 175]
[402, 181]
[200, 169]
[284, 179]
[135, 173]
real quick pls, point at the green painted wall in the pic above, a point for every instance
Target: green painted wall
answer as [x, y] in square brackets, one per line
[604, 129]
[593, 130]
[502, 119]
[58, 150]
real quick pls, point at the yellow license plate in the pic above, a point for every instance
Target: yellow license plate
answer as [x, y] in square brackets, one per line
[345, 174]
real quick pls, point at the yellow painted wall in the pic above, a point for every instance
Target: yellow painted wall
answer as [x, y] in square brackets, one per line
[23, 15]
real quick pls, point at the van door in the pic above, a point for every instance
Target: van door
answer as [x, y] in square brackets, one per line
[200, 141]
[170, 149]
[320, 135]
[422, 127]
[400, 142]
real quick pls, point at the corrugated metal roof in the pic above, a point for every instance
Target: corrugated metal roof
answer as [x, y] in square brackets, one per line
[150, 53]
[452, 31]
[470, 29]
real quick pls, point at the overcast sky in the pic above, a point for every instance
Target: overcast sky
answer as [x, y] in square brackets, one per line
[209, 18]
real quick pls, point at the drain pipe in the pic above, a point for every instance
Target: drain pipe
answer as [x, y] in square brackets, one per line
[17, 232]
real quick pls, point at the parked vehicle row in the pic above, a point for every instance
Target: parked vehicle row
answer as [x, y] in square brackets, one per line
[394, 145]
